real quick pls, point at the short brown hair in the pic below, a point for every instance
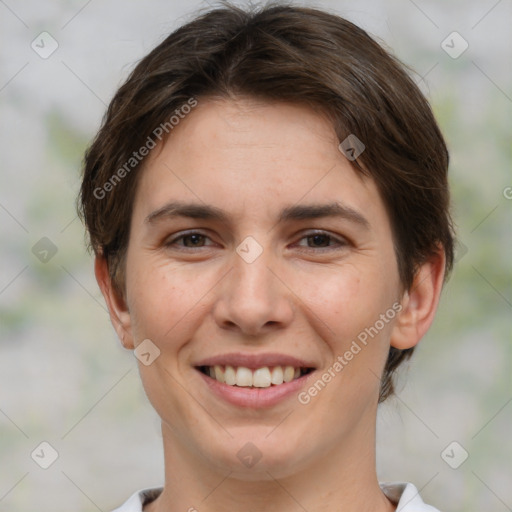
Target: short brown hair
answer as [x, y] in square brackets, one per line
[292, 54]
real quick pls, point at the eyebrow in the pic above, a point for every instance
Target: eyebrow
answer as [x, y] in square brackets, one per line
[296, 212]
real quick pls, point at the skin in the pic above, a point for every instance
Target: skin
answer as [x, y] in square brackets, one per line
[303, 296]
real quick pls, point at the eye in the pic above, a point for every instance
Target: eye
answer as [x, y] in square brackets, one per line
[315, 240]
[321, 240]
[188, 240]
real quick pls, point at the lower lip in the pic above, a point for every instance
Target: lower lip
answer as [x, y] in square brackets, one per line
[255, 398]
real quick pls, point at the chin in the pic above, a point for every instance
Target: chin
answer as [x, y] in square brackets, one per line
[252, 456]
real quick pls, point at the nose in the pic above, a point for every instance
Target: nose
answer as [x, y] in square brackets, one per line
[252, 299]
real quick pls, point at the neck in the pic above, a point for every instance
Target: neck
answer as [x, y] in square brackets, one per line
[340, 480]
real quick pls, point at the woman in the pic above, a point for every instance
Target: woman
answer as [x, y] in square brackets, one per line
[268, 205]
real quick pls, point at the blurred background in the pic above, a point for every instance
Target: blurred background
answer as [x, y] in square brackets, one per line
[64, 378]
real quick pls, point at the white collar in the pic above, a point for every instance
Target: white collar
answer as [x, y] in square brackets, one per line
[405, 495]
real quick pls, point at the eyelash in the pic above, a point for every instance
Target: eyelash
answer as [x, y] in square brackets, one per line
[338, 241]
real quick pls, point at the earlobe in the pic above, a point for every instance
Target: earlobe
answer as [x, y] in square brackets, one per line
[117, 308]
[419, 304]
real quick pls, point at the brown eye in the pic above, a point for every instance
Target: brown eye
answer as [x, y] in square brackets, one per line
[193, 240]
[318, 240]
[321, 240]
[189, 241]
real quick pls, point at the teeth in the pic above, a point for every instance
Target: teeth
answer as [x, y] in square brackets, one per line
[288, 374]
[219, 374]
[243, 377]
[260, 378]
[277, 375]
[230, 376]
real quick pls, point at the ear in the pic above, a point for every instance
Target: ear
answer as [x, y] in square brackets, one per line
[118, 311]
[419, 304]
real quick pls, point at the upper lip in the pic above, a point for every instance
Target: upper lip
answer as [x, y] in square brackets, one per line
[253, 361]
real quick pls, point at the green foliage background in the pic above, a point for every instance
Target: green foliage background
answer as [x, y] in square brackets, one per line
[64, 377]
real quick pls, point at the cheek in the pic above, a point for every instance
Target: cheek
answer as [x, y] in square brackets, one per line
[162, 297]
[347, 299]
[350, 302]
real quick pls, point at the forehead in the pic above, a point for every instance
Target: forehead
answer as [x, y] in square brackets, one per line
[252, 157]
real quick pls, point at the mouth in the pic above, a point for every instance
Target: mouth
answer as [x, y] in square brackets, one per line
[263, 377]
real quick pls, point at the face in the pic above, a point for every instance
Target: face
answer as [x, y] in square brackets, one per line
[262, 267]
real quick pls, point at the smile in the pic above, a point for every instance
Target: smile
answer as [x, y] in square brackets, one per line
[263, 377]
[255, 380]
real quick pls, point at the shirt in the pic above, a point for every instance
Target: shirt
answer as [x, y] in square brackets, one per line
[405, 495]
